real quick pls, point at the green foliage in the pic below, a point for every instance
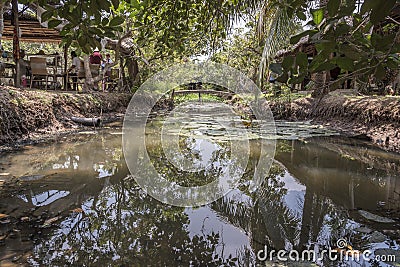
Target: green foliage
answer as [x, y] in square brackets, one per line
[162, 32]
[241, 51]
[166, 26]
[363, 43]
[318, 15]
[195, 97]
[276, 23]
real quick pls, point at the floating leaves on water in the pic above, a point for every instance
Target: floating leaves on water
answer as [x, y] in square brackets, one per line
[88, 132]
[77, 210]
[377, 237]
[363, 229]
[25, 219]
[376, 218]
[284, 131]
[31, 177]
[50, 221]
[4, 218]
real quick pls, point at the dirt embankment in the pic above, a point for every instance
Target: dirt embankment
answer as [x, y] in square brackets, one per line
[367, 117]
[31, 115]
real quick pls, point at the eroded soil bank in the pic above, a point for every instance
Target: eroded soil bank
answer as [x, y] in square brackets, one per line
[31, 115]
[367, 117]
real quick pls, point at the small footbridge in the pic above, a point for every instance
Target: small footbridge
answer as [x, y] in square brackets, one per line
[197, 88]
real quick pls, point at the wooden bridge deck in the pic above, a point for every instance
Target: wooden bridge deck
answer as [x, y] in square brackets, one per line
[200, 92]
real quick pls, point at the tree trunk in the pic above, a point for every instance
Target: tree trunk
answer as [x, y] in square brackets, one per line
[2, 4]
[88, 85]
[321, 86]
[121, 82]
[133, 70]
[16, 48]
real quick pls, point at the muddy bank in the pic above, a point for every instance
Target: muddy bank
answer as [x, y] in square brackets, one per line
[29, 115]
[33, 115]
[368, 117]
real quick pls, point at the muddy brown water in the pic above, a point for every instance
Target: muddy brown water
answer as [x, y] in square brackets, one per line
[74, 203]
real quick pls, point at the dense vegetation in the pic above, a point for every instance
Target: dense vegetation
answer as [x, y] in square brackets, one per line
[360, 39]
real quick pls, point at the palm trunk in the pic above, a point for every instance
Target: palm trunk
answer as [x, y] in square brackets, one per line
[321, 86]
[2, 4]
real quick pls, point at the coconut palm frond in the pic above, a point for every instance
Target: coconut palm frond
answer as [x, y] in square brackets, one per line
[280, 28]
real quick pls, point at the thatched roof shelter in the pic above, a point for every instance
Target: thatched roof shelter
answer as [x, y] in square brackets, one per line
[303, 45]
[30, 29]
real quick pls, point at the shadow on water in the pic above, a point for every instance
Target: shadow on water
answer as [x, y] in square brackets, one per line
[76, 204]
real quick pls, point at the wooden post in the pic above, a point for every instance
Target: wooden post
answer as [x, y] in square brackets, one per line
[65, 67]
[16, 48]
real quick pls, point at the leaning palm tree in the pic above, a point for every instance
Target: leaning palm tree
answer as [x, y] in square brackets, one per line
[275, 26]
[3, 6]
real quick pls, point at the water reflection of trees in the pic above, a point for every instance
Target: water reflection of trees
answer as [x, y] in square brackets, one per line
[263, 215]
[83, 152]
[123, 226]
[220, 160]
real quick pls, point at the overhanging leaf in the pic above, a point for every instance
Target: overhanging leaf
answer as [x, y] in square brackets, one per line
[54, 23]
[115, 3]
[116, 21]
[380, 12]
[301, 59]
[333, 7]
[276, 68]
[295, 39]
[380, 72]
[345, 63]
[82, 40]
[368, 5]
[326, 66]
[104, 5]
[287, 62]
[46, 15]
[318, 15]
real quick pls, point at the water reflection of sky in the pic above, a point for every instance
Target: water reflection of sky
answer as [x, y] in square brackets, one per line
[294, 197]
[102, 206]
[204, 221]
[45, 198]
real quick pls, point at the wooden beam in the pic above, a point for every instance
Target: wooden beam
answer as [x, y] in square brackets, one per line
[209, 92]
[17, 80]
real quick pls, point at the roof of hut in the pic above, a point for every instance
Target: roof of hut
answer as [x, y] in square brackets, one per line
[30, 29]
[303, 45]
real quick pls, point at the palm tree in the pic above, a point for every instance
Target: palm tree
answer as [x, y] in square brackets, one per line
[2, 4]
[275, 26]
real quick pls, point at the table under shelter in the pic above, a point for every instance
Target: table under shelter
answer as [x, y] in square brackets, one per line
[45, 70]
